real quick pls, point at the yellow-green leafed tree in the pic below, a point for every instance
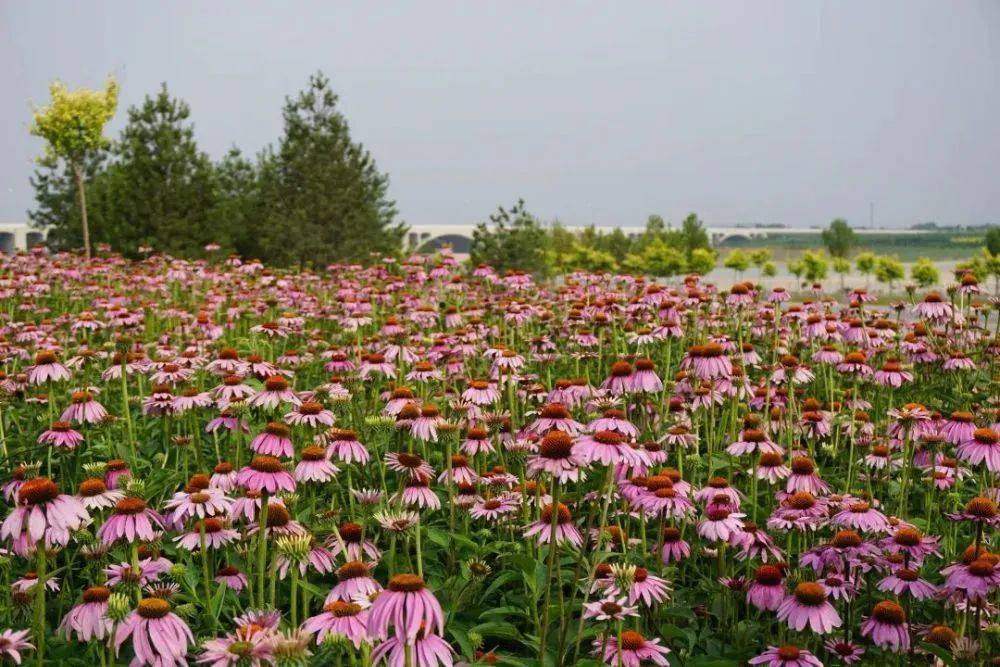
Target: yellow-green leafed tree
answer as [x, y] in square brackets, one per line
[73, 126]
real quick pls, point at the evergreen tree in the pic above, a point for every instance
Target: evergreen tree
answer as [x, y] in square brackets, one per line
[161, 182]
[512, 239]
[324, 199]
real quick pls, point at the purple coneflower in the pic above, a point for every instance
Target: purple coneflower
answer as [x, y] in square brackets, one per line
[808, 606]
[89, 619]
[131, 520]
[62, 435]
[159, 637]
[314, 466]
[266, 473]
[339, 618]
[788, 655]
[406, 605]
[633, 651]
[887, 627]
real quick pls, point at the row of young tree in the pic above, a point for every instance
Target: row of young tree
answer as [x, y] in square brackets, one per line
[513, 238]
[314, 198]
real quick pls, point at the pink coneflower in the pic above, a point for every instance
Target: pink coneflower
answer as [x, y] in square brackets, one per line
[351, 540]
[114, 471]
[477, 440]
[753, 441]
[231, 577]
[959, 427]
[131, 520]
[863, 517]
[228, 363]
[47, 369]
[609, 448]
[266, 473]
[771, 467]
[171, 373]
[227, 421]
[887, 627]
[409, 464]
[846, 652]
[675, 549]
[493, 509]
[216, 535]
[708, 362]
[767, 591]
[754, 544]
[407, 606]
[908, 582]
[912, 419]
[159, 637]
[61, 434]
[89, 619]
[720, 524]
[634, 650]
[376, 364]
[425, 426]
[805, 478]
[808, 606]
[608, 610]
[274, 440]
[398, 399]
[246, 646]
[354, 580]
[933, 307]
[855, 363]
[974, 580]
[190, 399]
[160, 401]
[461, 472]
[680, 435]
[149, 571]
[614, 420]
[310, 413]
[417, 493]
[223, 477]
[84, 409]
[828, 354]
[199, 503]
[314, 466]
[339, 618]
[426, 649]
[481, 392]
[275, 392]
[788, 655]
[565, 531]
[557, 455]
[645, 379]
[12, 642]
[647, 588]
[958, 361]
[94, 494]
[982, 447]
[908, 540]
[619, 381]
[232, 390]
[343, 445]
[555, 416]
[43, 512]
[718, 490]
[892, 374]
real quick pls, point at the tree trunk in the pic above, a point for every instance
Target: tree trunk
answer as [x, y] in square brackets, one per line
[78, 174]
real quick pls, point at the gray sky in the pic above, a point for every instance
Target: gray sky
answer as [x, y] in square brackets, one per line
[785, 112]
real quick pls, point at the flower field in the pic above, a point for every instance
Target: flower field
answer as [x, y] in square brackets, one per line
[420, 464]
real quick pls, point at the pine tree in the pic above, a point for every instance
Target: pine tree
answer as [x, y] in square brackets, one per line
[324, 198]
[162, 183]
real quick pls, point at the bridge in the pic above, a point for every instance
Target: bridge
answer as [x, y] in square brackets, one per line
[16, 236]
[428, 238]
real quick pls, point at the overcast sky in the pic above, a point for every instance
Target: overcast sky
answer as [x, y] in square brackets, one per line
[780, 112]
